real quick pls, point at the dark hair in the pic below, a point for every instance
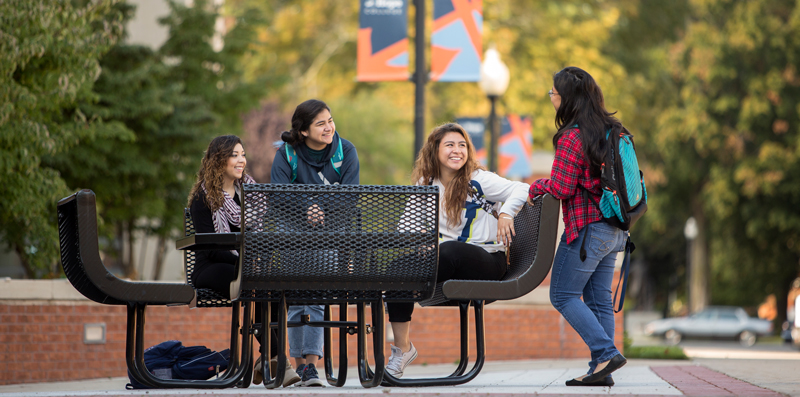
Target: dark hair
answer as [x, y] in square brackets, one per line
[582, 103]
[302, 118]
[426, 169]
[211, 169]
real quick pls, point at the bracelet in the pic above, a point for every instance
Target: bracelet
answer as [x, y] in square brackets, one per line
[506, 216]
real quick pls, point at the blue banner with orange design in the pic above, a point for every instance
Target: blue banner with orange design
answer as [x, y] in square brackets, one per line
[476, 128]
[514, 146]
[383, 40]
[456, 41]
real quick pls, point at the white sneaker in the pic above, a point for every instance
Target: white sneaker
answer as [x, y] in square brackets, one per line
[399, 360]
[289, 377]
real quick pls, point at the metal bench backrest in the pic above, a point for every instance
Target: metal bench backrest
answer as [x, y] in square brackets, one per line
[206, 297]
[531, 257]
[373, 240]
[80, 258]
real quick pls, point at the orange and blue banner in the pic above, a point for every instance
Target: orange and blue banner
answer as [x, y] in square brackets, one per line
[456, 41]
[515, 147]
[515, 144]
[383, 40]
[476, 128]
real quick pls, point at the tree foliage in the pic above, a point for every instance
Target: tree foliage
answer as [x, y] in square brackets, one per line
[736, 122]
[49, 53]
[719, 112]
[171, 102]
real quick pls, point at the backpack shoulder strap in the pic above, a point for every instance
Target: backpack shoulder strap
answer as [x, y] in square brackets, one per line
[337, 158]
[292, 157]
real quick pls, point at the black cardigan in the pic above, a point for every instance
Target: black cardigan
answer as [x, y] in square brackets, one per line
[204, 223]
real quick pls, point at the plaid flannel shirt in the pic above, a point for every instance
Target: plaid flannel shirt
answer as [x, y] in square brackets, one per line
[569, 176]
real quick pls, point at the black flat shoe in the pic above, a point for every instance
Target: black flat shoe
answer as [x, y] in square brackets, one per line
[614, 364]
[607, 381]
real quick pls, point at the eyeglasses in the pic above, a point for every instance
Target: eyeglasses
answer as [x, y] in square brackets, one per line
[551, 93]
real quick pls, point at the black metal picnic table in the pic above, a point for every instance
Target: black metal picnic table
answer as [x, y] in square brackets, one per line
[313, 244]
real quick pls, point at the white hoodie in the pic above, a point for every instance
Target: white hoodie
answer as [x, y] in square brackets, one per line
[477, 225]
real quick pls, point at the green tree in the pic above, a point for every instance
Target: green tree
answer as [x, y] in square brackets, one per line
[129, 177]
[640, 41]
[49, 54]
[722, 99]
[214, 76]
[171, 102]
[736, 68]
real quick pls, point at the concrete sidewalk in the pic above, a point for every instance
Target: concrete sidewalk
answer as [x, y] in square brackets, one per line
[707, 377]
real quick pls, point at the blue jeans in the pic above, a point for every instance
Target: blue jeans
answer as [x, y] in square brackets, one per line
[592, 318]
[305, 340]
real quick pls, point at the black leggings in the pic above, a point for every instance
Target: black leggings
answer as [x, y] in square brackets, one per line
[457, 260]
[218, 276]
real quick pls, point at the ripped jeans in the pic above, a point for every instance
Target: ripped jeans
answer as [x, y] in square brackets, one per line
[571, 278]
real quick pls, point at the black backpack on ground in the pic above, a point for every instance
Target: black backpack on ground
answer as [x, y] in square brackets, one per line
[172, 360]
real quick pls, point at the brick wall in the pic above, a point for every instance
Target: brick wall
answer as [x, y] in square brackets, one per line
[42, 341]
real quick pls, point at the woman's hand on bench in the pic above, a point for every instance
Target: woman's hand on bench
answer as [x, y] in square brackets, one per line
[505, 229]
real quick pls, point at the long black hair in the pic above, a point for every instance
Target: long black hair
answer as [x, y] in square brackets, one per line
[302, 118]
[582, 103]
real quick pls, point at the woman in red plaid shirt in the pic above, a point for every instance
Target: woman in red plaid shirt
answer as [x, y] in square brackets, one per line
[584, 261]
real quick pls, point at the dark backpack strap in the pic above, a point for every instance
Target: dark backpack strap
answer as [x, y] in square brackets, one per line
[583, 243]
[623, 274]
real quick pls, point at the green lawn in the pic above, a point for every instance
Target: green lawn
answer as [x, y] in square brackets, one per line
[656, 352]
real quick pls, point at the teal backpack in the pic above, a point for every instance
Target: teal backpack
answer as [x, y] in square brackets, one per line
[624, 196]
[336, 160]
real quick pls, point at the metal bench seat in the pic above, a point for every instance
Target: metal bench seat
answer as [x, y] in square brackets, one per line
[531, 257]
[80, 259]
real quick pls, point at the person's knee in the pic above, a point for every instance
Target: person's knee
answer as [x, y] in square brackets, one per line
[400, 319]
[316, 312]
[400, 312]
[449, 254]
[449, 250]
[557, 298]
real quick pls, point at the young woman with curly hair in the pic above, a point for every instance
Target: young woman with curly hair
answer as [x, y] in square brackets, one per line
[476, 222]
[215, 204]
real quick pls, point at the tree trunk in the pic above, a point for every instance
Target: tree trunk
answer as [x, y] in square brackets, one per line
[161, 253]
[143, 253]
[129, 264]
[26, 266]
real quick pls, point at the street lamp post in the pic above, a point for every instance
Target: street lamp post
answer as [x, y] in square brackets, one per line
[493, 82]
[690, 231]
[420, 77]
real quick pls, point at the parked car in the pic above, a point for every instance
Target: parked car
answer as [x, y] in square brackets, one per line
[713, 322]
